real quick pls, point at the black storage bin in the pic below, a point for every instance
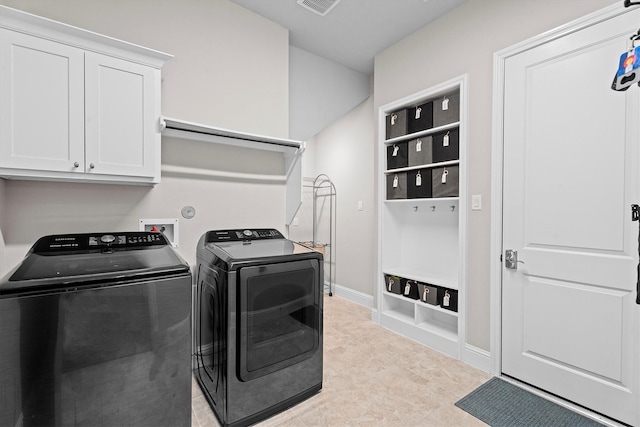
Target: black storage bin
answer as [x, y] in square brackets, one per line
[420, 151]
[393, 284]
[410, 289]
[397, 186]
[449, 188]
[428, 293]
[419, 184]
[398, 155]
[420, 118]
[446, 109]
[396, 124]
[446, 146]
[448, 299]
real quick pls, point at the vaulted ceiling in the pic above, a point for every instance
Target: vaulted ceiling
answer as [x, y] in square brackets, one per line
[353, 31]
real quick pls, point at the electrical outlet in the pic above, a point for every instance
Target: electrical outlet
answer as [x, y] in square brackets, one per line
[166, 226]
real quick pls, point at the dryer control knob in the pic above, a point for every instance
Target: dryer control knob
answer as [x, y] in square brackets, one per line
[247, 233]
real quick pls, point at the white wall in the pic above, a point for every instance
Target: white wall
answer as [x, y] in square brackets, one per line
[320, 91]
[345, 152]
[230, 66]
[302, 228]
[230, 70]
[463, 41]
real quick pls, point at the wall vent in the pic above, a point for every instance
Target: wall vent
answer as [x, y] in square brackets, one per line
[321, 7]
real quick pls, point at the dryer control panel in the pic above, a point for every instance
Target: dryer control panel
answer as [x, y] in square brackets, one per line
[241, 235]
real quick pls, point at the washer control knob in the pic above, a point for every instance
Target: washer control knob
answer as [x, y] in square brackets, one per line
[247, 233]
[107, 238]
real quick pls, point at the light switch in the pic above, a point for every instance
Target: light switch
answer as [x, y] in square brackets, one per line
[476, 202]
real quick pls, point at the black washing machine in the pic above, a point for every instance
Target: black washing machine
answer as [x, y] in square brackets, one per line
[258, 323]
[95, 330]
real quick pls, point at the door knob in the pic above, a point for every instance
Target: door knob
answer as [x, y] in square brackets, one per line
[92, 166]
[511, 259]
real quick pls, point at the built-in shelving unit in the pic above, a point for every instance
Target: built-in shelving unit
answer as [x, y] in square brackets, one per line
[422, 232]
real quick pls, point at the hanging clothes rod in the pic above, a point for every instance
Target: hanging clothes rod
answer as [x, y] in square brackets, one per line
[190, 130]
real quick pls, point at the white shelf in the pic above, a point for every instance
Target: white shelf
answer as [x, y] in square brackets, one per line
[425, 201]
[422, 133]
[423, 277]
[400, 308]
[436, 308]
[199, 132]
[425, 166]
[421, 323]
[421, 305]
[291, 151]
[443, 330]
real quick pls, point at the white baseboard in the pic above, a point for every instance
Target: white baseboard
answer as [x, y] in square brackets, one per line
[477, 357]
[375, 316]
[351, 295]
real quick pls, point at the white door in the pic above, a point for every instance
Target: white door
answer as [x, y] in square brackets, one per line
[570, 323]
[122, 113]
[41, 104]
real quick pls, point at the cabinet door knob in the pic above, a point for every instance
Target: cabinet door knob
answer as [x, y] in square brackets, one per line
[76, 164]
[92, 165]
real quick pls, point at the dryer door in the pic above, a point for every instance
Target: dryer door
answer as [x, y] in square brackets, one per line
[279, 316]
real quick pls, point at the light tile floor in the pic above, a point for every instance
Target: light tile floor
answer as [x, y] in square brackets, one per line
[373, 377]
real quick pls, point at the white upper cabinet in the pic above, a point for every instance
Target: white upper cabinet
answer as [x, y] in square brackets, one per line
[42, 104]
[121, 118]
[75, 105]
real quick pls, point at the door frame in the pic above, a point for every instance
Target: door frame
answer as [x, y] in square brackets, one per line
[497, 167]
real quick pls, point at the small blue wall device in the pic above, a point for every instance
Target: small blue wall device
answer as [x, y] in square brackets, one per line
[628, 71]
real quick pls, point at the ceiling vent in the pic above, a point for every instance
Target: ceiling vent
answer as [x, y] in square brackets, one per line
[321, 7]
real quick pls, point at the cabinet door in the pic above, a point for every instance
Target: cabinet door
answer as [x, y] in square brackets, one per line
[122, 108]
[41, 104]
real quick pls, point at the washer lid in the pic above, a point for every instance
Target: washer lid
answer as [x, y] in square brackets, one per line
[37, 266]
[70, 260]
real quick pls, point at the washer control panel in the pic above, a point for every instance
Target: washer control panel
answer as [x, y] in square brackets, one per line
[88, 241]
[242, 235]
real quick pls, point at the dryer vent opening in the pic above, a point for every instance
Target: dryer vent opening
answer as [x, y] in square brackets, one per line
[321, 7]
